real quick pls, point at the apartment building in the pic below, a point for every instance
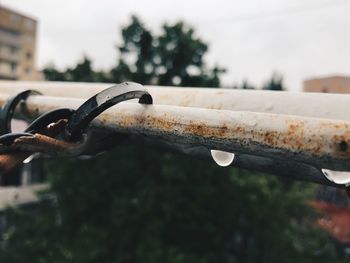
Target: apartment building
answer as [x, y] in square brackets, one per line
[332, 84]
[17, 46]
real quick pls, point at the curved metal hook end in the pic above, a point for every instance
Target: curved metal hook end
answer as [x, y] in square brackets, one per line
[146, 99]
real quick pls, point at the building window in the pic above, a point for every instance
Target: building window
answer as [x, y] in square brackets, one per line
[12, 49]
[27, 71]
[13, 67]
[29, 24]
[29, 55]
[16, 19]
[28, 39]
[9, 32]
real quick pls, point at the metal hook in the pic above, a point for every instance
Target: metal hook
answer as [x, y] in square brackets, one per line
[103, 100]
[8, 109]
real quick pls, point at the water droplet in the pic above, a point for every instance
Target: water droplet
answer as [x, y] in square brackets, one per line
[222, 158]
[338, 177]
[30, 158]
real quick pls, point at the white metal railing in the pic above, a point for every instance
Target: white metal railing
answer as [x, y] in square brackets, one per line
[319, 105]
[300, 135]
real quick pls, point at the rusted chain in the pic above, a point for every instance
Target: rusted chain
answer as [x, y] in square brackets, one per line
[61, 131]
[16, 147]
[44, 144]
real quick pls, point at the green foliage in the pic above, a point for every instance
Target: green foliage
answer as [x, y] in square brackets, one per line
[245, 85]
[143, 204]
[275, 83]
[51, 73]
[175, 57]
[82, 72]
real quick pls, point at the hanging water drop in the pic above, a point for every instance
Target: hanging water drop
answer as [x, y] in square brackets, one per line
[30, 158]
[338, 177]
[222, 158]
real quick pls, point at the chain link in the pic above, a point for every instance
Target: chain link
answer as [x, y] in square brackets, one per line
[62, 131]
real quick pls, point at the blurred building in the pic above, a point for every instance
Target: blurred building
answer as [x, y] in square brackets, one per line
[335, 220]
[17, 46]
[332, 84]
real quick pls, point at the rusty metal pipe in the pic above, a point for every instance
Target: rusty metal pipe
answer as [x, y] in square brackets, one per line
[322, 143]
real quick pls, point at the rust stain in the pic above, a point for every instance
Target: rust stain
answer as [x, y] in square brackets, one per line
[163, 97]
[159, 123]
[202, 130]
[335, 126]
[292, 136]
[42, 143]
[342, 143]
[270, 138]
[156, 123]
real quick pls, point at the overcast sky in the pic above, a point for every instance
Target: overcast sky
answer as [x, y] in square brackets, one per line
[250, 38]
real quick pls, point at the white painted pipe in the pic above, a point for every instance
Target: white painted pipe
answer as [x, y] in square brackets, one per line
[318, 105]
[321, 142]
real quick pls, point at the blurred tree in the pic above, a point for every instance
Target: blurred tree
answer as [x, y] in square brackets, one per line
[141, 203]
[275, 83]
[137, 47]
[82, 72]
[175, 57]
[245, 85]
[51, 73]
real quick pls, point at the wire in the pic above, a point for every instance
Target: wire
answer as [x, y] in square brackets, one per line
[282, 12]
